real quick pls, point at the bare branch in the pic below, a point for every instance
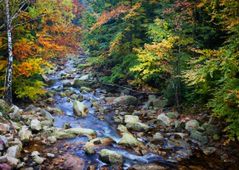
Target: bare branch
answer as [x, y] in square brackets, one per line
[22, 5]
[2, 26]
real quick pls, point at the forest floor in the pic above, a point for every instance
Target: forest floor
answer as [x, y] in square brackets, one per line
[82, 124]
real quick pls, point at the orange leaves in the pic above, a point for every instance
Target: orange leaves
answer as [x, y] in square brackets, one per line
[106, 16]
[24, 48]
[30, 67]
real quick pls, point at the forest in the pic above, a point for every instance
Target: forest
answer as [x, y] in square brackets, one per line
[119, 84]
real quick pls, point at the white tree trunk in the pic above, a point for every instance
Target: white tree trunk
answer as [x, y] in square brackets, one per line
[9, 70]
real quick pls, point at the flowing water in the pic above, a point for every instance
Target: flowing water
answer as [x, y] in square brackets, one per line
[104, 128]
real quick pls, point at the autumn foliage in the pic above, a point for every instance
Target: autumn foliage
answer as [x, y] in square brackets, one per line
[43, 31]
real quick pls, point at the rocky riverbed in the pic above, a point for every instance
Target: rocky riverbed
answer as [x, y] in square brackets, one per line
[84, 125]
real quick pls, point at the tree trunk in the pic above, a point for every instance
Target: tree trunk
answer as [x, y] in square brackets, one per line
[8, 79]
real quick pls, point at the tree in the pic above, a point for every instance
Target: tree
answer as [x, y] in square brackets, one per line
[9, 69]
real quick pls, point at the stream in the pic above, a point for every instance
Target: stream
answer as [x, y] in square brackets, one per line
[105, 128]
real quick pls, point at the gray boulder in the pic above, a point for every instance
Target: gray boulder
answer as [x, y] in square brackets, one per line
[14, 151]
[158, 137]
[73, 132]
[125, 101]
[129, 140]
[192, 125]
[35, 125]
[199, 137]
[164, 120]
[80, 109]
[111, 157]
[25, 134]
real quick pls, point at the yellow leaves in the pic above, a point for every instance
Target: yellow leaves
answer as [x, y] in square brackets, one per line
[29, 88]
[155, 58]
[132, 12]
[30, 67]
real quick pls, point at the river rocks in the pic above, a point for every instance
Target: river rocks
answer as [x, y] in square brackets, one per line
[147, 167]
[15, 113]
[35, 125]
[133, 122]
[36, 158]
[84, 77]
[156, 103]
[47, 114]
[79, 83]
[90, 146]
[129, 140]
[72, 162]
[208, 150]
[52, 139]
[158, 137]
[131, 119]
[25, 134]
[111, 157]
[138, 126]
[122, 129]
[3, 141]
[14, 151]
[12, 161]
[85, 89]
[54, 110]
[4, 128]
[72, 132]
[164, 120]
[125, 101]
[192, 125]
[80, 109]
[199, 137]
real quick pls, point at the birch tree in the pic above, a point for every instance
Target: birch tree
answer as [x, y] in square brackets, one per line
[10, 14]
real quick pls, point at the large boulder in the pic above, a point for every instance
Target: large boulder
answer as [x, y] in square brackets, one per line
[158, 137]
[25, 134]
[14, 151]
[84, 77]
[37, 158]
[35, 125]
[80, 109]
[72, 162]
[73, 132]
[155, 102]
[129, 140]
[131, 119]
[151, 166]
[47, 114]
[4, 128]
[164, 120]
[125, 100]
[111, 157]
[133, 122]
[192, 125]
